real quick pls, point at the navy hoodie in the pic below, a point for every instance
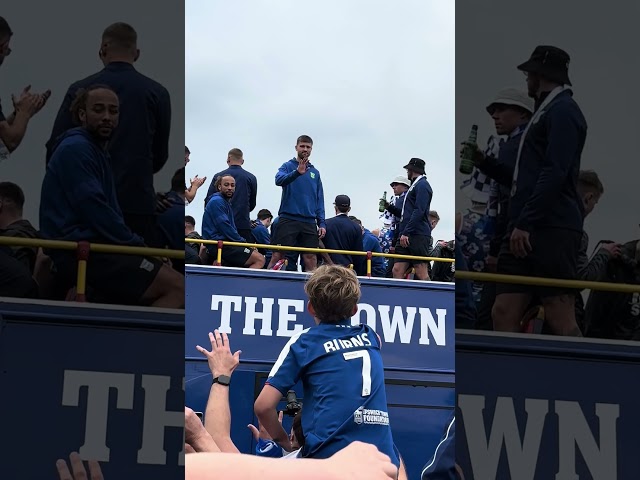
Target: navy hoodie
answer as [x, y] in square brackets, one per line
[546, 193]
[217, 221]
[140, 145]
[417, 203]
[244, 198]
[78, 199]
[302, 194]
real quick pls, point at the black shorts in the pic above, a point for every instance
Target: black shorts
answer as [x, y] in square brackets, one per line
[293, 233]
[554, 254]
[418, 246]
[118, 278]
[232, 256]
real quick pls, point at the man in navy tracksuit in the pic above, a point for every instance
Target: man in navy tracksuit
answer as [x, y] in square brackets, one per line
[545, 211]
[344, 234]
[140, 147]
[79, 203]
[415, 227]
[218, 224]
[370, 243]
[301, 216]
[260, 231]
[244, 197]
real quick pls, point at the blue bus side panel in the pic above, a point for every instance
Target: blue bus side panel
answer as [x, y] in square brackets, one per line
[38, 345]
[599, 381]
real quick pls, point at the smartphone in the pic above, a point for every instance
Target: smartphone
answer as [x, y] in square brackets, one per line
[200, 416]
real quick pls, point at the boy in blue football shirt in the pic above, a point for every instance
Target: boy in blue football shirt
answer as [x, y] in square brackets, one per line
[341, 370]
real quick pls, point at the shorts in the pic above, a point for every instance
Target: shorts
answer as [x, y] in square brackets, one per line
[554, 254]
[293, 233]
[232, 256]
[121, 279]
[418, 246]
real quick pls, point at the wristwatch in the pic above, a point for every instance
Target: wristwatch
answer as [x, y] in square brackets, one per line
[222, 380]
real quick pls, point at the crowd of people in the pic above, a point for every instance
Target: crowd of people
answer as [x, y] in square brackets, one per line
[334, 391]
[109, 138]
[529, 199]
[407, 223]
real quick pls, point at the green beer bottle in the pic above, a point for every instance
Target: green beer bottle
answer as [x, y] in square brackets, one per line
[466, 158]
[383, 200]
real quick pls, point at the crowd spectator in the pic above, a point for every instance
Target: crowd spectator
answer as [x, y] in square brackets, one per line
[371, 243]
[244, 198]
[391, 219]
[218, 224]
[301, 220]
[260, 231]
[194, 184]
[140, 147]
[12, 224]
[192, 250]
[79, 203]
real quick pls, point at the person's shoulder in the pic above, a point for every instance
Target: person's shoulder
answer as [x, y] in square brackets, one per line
[151, 83]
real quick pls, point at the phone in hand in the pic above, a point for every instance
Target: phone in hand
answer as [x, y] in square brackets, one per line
[200, 415]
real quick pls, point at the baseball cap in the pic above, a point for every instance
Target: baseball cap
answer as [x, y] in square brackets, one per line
[342, 201]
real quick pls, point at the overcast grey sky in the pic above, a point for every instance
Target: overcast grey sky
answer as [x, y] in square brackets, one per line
[372, 82]
[52, 50]
[494, 39]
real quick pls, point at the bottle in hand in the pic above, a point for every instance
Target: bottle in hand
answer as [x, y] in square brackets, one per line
[382, 203]
[468, 151]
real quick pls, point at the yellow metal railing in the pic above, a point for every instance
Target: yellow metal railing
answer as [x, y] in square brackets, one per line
[547, 282]
[83, 250]
[221, 243]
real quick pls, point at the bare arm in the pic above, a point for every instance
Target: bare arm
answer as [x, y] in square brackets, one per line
[218, 414]
[265, 409]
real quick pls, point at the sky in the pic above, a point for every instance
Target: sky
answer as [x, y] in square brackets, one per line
[494, 39]
[51, 51]
[372, 82]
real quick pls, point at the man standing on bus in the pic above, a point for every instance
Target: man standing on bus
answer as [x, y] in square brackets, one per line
[301, 215]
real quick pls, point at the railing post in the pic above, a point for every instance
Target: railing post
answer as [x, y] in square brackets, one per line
[82, 254]
[219, 254]
[369, 264]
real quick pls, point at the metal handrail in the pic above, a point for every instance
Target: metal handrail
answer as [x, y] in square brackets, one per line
[547, 282]
[83, 249]
[221, 243]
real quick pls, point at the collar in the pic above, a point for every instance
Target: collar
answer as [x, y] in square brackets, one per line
[119, 66]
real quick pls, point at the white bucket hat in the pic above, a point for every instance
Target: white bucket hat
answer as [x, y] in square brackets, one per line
[401, 179]
[512, 96]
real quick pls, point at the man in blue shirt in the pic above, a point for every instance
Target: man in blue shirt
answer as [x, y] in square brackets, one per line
[341, 371]
[140, 147]
[301, 215]
[370, 243]
[545, 209]
[244, 197]
[343, 234]
[415, 227]
[78, 203]
[260, 230]
[218, 224]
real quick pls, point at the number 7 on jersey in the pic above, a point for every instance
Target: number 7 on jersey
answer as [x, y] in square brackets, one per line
[366, 369]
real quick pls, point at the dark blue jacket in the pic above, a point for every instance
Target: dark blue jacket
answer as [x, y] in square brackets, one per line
[261, 235]
[442, 465]
[244, 198]
[302, 195]
[140, 145]
[546, 193]
[78, 200]
[171, 222]
[417, 203]
[217, 221]
[344, 234]
[370, 243]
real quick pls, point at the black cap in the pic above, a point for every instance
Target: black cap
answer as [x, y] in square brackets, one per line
[549, 62]
[415, 165]
[342, 201]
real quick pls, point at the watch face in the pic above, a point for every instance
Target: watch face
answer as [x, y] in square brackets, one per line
[224, 380]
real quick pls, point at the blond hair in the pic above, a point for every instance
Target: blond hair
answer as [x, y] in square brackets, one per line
[333, 291]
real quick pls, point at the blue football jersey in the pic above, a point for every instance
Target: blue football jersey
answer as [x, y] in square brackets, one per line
[342, 374]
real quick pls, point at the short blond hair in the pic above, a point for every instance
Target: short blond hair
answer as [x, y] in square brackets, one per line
[333, 291]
